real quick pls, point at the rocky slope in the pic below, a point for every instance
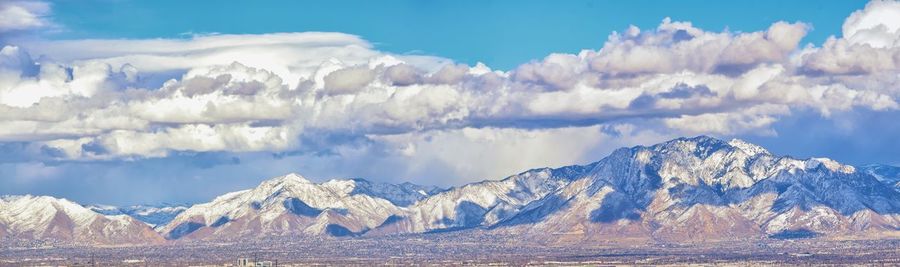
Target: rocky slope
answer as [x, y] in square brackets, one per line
[698, 189]
[47, 218]
[705, 189]
[292, 205]
[685, 190]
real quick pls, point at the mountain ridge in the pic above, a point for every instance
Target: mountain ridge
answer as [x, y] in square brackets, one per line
[153, 215]
[47, 218]
[689, 189]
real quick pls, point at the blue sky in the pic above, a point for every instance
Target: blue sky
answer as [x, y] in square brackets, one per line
[502, 34]
[186, 100]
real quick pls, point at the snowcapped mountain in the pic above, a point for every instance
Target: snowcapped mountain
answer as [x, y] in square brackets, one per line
[685, 190]
[477, 204]
[702, 189]
[887, 174]
[42, 217]
[403, 194]
[153, 215]
[291, 204]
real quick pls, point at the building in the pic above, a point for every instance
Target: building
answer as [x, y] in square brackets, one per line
[247, 262]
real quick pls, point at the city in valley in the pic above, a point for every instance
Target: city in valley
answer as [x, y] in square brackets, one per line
[434, 249]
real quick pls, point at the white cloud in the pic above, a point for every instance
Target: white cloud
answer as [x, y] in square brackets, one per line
[876, 25]
[403, 75]
[474, 154]
[757, 119]
[348, 80]
[291, 56]
[678, 46]
[870, 43]
[334, 93]
[23, 15]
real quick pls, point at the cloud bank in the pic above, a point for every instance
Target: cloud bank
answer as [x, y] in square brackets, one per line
[334, 99]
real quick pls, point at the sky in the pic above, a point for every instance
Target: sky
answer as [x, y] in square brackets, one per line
[502, 34]
[125, 102]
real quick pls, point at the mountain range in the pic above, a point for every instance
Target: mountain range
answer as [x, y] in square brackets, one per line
[686, 190]
[153, 215]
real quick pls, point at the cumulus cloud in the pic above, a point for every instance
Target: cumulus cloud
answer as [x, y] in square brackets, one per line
[403, 75]
[870, 43]
[757, 118]
[678, 46]
[348, 80]
[321, 94]
[876, 25]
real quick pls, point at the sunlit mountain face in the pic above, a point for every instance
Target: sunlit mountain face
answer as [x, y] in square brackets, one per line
[699, 189]
[687, 189]
[449, 133]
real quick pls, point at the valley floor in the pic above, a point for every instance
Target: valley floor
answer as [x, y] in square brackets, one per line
[444, 249]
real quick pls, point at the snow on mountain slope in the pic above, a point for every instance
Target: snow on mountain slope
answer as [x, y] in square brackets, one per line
[293, 205]
[482, 203]
[703, 189]
[685, 190]
[403, 194]
[887, 174]
[153, 215]
[748, 148]
[43, 217]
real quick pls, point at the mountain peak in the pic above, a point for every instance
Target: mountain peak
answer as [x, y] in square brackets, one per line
[40, 200]
[700, 140]
[700, 145]
[38, 217]
[290, 178]
[748, 148]
[277, 185]
[708, 144]
[829, 164]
